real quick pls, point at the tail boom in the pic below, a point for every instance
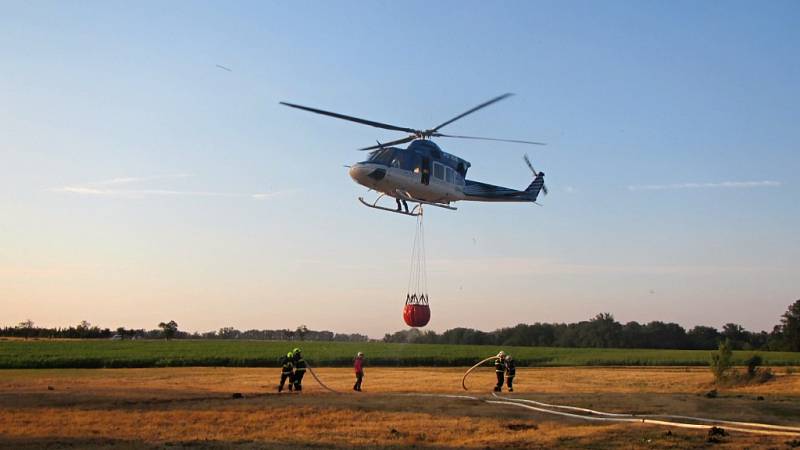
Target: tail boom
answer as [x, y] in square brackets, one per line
[477, 191]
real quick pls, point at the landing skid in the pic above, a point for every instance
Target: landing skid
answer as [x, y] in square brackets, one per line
[415, 211]
[406, 196]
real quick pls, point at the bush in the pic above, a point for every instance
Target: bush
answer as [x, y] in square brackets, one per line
[756, 374]
[752, 365]
[724, 375]
[721, 360]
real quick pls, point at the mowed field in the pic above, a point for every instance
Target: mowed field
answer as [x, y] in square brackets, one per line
[400, 407]
[21, 354]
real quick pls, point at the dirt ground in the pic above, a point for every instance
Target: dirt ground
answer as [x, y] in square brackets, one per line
[195, 407]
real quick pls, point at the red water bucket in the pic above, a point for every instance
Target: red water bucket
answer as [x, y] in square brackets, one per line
[416, 315]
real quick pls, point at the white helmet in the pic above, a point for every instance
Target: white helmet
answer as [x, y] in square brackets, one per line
[360, 354]
[501, 354]
[509, 358]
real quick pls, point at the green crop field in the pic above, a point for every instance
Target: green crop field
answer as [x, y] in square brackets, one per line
[18, 354]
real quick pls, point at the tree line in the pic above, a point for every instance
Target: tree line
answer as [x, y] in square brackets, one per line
[603, 331]
[169, 330]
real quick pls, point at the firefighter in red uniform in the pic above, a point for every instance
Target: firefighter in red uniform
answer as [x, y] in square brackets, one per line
[359, 368]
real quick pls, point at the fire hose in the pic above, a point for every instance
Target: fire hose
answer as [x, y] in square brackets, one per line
[320, 381]
[653, 419]
[653, 416]
[464, 380]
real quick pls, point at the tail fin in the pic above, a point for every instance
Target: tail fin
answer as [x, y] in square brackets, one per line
[535, 187]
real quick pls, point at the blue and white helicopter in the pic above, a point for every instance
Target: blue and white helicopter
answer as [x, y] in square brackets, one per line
[424, 174]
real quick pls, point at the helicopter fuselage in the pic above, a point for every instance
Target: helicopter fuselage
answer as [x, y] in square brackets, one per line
[422, 171]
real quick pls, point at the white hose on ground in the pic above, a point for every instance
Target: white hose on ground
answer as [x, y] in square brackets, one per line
[464, 380]
[645, 421]
[654, 416]
[461, 397]
[616, 418]
[320, 381]
[773, 430]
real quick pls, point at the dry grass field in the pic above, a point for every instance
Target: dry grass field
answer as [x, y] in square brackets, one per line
[194, 407]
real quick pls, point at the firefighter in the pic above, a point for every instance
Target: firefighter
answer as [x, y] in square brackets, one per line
[511, 371]
[286, 371]
[500, 370]
[299, 369]
[359, 368]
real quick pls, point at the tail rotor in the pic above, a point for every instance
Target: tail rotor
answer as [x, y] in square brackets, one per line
[535, 173]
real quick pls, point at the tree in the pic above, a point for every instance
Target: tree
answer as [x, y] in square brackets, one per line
[301, 331]
[169, 329]
[657, 334]
[790, 327]
[86, 330]
[736, 334]
[602, 331]
[703, 338]
[27, 327]
[228, 333]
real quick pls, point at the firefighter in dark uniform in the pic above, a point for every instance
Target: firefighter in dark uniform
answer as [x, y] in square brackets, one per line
[299, 369]
[511, 371]
[500, 370]
[287, 366]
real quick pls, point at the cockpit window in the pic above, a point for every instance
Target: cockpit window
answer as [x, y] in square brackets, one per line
[382, 156]
[406, 160]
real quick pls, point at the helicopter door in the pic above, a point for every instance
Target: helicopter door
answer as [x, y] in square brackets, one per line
[426, 170]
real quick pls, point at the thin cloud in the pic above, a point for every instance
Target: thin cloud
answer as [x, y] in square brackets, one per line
[108, 188]
[722, 184]
[128, 180]
[273, 194]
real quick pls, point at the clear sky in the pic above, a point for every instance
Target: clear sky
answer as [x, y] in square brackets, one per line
[139, 182]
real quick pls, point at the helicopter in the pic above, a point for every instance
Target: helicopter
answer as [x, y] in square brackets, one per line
[424, 174]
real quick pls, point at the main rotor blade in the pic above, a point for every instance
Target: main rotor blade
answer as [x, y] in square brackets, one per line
[482, 105]
[351, 118]
[389, 144]
[515, 141]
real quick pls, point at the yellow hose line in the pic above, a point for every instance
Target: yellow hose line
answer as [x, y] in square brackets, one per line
[464, 380]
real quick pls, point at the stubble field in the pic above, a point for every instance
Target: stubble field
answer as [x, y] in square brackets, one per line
[400, 407]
